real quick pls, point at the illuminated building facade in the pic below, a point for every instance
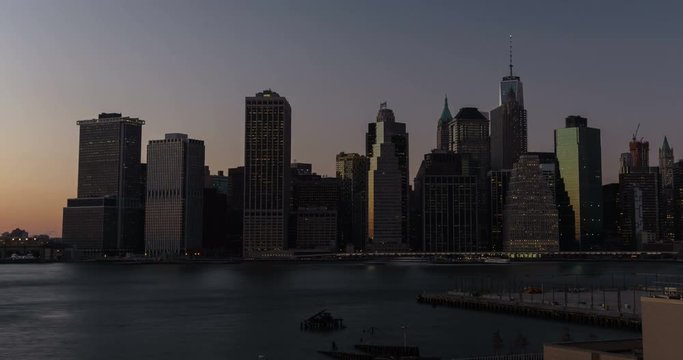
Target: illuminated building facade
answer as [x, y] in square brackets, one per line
[530, 218]
[578, 152]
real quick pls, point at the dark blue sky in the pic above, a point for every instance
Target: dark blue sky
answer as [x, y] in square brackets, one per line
[186, 67]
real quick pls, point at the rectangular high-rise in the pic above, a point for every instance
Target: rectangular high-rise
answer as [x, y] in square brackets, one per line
[447, 201]
[109, 173]
[578, 152]
[175, 196]
[387, 151]
[352, 174]
[267, 153]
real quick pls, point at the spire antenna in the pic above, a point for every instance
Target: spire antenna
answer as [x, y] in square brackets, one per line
[510, 54]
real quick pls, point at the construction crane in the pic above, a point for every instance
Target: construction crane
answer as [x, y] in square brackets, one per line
[636, 133]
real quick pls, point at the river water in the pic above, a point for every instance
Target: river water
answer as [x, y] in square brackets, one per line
[243, 311]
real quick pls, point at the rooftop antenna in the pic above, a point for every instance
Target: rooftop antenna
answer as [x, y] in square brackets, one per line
[510, 54]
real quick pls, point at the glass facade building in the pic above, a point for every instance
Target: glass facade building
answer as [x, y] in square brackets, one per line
[387, 151]
[578, 152]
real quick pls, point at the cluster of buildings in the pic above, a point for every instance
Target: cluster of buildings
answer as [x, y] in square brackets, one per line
[480, 189]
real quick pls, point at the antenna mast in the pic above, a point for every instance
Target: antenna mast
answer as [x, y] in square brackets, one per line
[510, 54]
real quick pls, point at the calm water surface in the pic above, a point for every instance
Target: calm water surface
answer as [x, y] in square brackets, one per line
[241, 311]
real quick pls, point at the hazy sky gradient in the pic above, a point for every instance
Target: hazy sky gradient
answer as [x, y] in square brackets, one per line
[186, 66]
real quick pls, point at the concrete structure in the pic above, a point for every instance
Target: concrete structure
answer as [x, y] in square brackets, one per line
[175, 196]
[267, 152]
[530, 218]
[578, 152]
[387, 150]
[447, 197]
[662, 328]
[109, 181]
[352, 175]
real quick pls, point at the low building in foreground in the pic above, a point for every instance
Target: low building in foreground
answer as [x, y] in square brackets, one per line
[662, 337]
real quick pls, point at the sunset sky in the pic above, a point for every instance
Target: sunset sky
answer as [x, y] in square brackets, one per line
[186, 66]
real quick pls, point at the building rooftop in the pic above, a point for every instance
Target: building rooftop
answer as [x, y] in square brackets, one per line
[470, 113]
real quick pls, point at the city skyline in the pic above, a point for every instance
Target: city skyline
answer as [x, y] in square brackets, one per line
[565, 71]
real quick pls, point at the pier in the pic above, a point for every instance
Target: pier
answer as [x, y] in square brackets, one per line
[553, 311]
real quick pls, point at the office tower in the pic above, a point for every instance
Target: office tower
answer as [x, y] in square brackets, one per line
[499, 181]
[175, 196]
[107, 215]
[267, 151]
[352, 175]
[387, 150]
[530, 219]
[678, 198]
[610, 218]
[215, 214]
[442, 141]
[508, 123]
[639, 203]
[447, 197]
[625, 163]
[314, 211]
[469, 134]
[550, 169]
[667, 205]
[235, 197]
[578, 151]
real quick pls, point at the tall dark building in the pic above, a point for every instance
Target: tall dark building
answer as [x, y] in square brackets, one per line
[447, 197]
[678, 198]
[442, 140]
[499, 181]
[508, 123]
[108, 215]
[215, 214]
[639, 205]
[668, 201]
[267, 153]
[387, 151]
[314, 220]
[469, 135]
[352, 175]
[235, 198]
[578, 151]
[610, 210]
[175, 196]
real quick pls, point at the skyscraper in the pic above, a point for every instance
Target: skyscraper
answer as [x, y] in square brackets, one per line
[267, 152]
[469, 135]
[314, 219]
[508, 123]
[530, 220]
[668, 203]
[550, 169]
[447, 198]
[442, 141]
[352, 174]
[387, 150]
[639, 220]
[175, 196]
[499, 181]
[578, 151]
[107, 216]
